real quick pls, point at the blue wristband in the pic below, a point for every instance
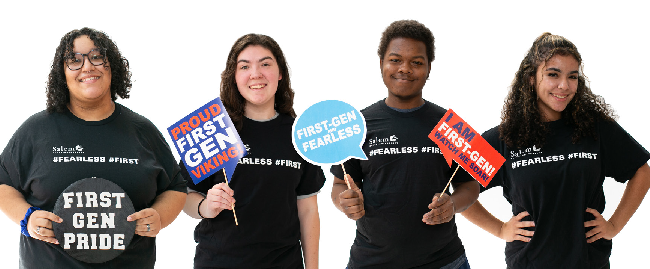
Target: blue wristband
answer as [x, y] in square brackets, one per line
[23, 223]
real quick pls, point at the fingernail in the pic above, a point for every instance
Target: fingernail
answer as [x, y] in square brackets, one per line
[56, 242]
[128, 218]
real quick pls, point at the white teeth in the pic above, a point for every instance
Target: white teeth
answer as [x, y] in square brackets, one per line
[560, 96]
[90, 78]
[257, 86]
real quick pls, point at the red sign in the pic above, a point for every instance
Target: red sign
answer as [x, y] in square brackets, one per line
[460, 142]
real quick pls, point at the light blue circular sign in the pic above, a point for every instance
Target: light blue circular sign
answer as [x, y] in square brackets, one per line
[329, 132]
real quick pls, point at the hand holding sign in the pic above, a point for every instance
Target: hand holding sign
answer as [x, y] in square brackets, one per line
[207, 142]
[218, 198]
[442, 209]
[351, 200]
[95, 227]
[331, 132]
[147, 222]
[39, 226]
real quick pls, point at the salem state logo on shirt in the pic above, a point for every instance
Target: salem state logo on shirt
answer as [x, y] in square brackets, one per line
[514, 154]
[391, 140]
[62, 149]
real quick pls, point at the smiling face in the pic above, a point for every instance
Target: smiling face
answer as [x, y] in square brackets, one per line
[90, 85]
[257, 76]
[556, 85]
[405, 69]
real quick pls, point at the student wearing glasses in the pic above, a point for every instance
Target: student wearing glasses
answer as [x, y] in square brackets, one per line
[87, 75]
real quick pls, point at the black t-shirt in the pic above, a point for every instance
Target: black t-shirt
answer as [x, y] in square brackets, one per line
[555, 184]
[403, 171]
[267, 183]
[50, 151]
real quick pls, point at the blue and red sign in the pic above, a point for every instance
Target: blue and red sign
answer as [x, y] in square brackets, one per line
[207, 141]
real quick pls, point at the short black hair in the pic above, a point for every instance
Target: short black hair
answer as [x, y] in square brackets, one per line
[407, 29]
[58, 94]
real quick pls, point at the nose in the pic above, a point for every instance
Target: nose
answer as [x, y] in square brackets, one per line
[405, 68]
[255, 73]
[564, 84]
[87, 65]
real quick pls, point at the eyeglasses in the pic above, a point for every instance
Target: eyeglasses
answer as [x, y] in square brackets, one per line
[77, 62]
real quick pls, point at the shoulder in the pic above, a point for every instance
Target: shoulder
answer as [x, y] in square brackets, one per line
[493, 137]
[491, 134]
[286, 119]
[436, 109]
[374, 108]
[136, 119]
[38, 121]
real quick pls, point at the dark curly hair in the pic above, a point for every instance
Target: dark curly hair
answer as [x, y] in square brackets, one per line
[230, 96]
[522, 124]
[407, 29]
[58, 94]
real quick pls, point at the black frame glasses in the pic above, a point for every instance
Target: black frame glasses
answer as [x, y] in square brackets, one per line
[95, 57]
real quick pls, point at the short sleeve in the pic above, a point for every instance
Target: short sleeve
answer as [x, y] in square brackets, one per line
[6, 165]
[173, 178]
[352, 167]
[10, 161]
[492, 137]
[311, 181]
[622, 156]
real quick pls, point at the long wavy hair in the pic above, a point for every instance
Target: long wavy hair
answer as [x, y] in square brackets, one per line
[230, 96]
[522, 124]
[58, 94]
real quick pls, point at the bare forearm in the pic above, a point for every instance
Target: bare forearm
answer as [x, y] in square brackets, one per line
[309, 230]
[478, 215]
[192, 204]
[465, 194]
[12, 203]
[635, 191]
[168, 204]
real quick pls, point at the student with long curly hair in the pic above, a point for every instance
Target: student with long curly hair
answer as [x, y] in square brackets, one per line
[560, 141]
[88, 73]
[276, 204]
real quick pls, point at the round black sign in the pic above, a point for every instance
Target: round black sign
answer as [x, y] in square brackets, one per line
[94, 227]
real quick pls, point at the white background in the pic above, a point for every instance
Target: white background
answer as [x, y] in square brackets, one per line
[178, 51]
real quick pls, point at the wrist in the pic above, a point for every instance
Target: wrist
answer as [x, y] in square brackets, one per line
[23, 223]
[198, 208]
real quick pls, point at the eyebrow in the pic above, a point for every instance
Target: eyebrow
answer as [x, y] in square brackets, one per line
[558, 70]
[395, 54]
[261, 60]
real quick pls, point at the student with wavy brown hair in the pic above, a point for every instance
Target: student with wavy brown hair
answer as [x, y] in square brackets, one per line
[560, 141]
[276, 205]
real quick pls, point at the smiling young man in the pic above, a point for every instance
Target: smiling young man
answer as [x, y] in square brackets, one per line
[401, 223]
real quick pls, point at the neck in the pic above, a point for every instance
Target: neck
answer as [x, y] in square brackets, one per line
[92, 112]
[259, 113]
[399, 103]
